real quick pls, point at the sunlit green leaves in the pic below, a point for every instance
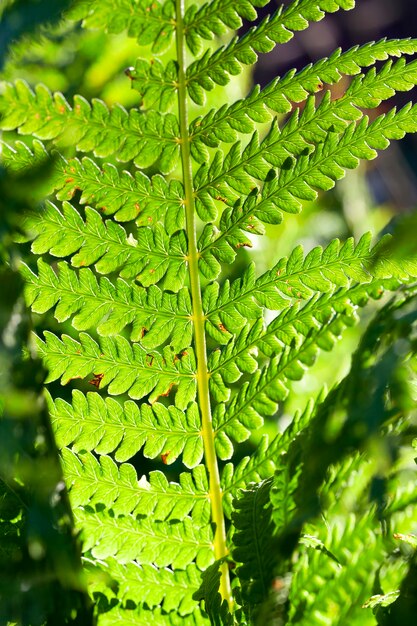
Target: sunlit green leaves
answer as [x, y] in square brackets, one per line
[316, 168]
[154, 316]
[265, 459]
[148, 541]
[225, 123]
[126, 196]
[150, 22]
[216, 68]
[145, 138]
[298, 278]
[155, 82]
[148, 257]
[106, 426]
[102, 482]
[172, 590]
[141, 616]
[120, 365]
[215, 17]
[253, 543]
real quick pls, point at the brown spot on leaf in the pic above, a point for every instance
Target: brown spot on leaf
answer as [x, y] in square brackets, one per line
[223, 328]
[96, 380]
[164, 457]
[149, 360]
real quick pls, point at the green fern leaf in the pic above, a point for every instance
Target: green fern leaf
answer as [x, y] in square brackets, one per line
[325, 319]
[266, 458]
[237, 173]
[121, 616]
[155, 316]
[236, 303]
[254, 547]
[123, 367]
[346, 585]
[103, 482]
[224, 124]
[149, 257]
[200, 356]
[150, 22]
[142, 137]
[120, 194]
[215, 607]
[214, 18]
[150, 542]
[155, 83]
[19, 157]
[172, 591]
[215, 68]
[105, 426]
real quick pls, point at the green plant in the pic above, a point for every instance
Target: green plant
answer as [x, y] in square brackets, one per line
[192, 363]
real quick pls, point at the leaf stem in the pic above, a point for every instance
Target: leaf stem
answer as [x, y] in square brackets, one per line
[220, 548]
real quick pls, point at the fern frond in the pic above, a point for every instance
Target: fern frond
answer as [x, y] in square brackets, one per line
[336, 592]
[155, 316]
[156, 83]
[148, 541]
[254, 548]
[132, 136]
[295, 341]
[148, 257]
[218, 246]
[122, 616]
[282, 495]
[199, 353]
[261, 396]
[334, 156]
[126, 196]
[238, 172]
[101, 425]
[172, 591]
[150, 22]
[224, 124]
[263, 463]
[93, 481]
[320, 271]
[215, 17]
[123, 367]
[216, 68]
[121, 194]
[19, 157]
[332, 311]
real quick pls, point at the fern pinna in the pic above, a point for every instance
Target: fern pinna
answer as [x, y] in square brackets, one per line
[187, 364]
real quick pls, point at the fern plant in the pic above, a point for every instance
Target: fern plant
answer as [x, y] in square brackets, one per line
[186, 364]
